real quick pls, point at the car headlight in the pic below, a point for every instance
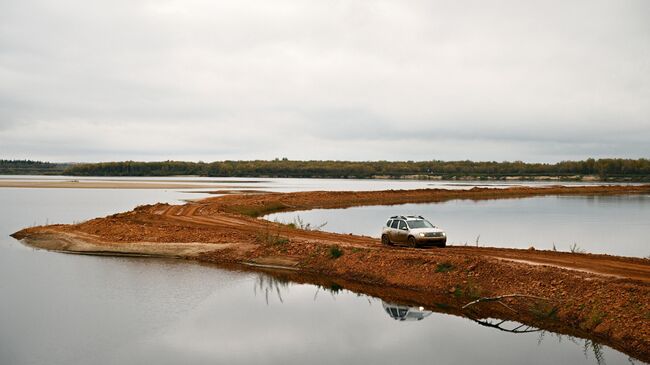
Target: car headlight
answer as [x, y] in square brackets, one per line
[421, 234]
[444, 234]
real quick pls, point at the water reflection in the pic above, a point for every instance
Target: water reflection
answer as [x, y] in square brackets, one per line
[405, 313]
[267, 284]
[274, 285]
[589, 348]
[505, 325]
[332, 306]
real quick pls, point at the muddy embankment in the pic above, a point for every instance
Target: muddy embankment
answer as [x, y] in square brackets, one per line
[600, 297]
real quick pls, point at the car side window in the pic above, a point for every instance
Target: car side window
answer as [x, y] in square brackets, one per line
[394, 224]
[389, 222]
[402, 225]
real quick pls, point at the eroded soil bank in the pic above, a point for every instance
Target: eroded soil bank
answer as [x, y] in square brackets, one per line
[602, 297]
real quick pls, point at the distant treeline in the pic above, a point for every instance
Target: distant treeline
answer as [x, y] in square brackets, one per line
[28, 167]
[608, 169]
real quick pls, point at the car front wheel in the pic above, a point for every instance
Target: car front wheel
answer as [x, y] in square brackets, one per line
[412, 242]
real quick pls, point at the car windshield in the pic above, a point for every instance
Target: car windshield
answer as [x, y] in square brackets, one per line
[420, 223]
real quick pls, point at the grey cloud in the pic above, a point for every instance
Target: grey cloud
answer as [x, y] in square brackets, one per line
[317, 79]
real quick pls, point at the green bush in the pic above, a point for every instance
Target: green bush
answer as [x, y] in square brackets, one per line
[335, 252]
[444, 267]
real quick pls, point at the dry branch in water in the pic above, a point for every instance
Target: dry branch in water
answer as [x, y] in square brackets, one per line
[498, 298]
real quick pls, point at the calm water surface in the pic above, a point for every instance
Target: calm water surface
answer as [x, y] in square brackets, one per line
[618, 225]
[68, 309]
[288, 185]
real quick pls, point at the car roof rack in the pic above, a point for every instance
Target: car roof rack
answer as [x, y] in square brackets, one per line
[413, 216]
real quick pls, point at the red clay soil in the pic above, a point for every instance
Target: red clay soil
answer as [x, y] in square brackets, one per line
[606, 298]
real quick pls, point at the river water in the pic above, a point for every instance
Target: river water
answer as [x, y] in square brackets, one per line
[68, 309]
[616, 225]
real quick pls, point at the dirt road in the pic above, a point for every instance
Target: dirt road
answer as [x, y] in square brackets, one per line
[606, 265]
[599, 296]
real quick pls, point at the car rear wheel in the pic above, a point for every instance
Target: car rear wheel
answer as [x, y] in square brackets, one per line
[385, 240]
[412, 242]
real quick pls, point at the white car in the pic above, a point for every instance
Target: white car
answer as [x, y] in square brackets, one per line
[412, 230]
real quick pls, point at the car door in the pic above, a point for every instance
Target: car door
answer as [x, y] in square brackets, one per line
[402, 232]
[392, 232]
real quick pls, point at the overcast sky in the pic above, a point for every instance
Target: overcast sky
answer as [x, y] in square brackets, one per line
[355, 80]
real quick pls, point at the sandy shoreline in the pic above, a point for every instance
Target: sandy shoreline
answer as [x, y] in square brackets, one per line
[602, 297]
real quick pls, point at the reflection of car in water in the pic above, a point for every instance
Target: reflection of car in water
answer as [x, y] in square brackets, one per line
[405, 313]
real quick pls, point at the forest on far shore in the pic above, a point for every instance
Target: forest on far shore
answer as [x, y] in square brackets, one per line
[602, 169]
[29, 167]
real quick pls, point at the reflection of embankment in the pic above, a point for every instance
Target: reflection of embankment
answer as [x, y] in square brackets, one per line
[409, 306]
[598, 295]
